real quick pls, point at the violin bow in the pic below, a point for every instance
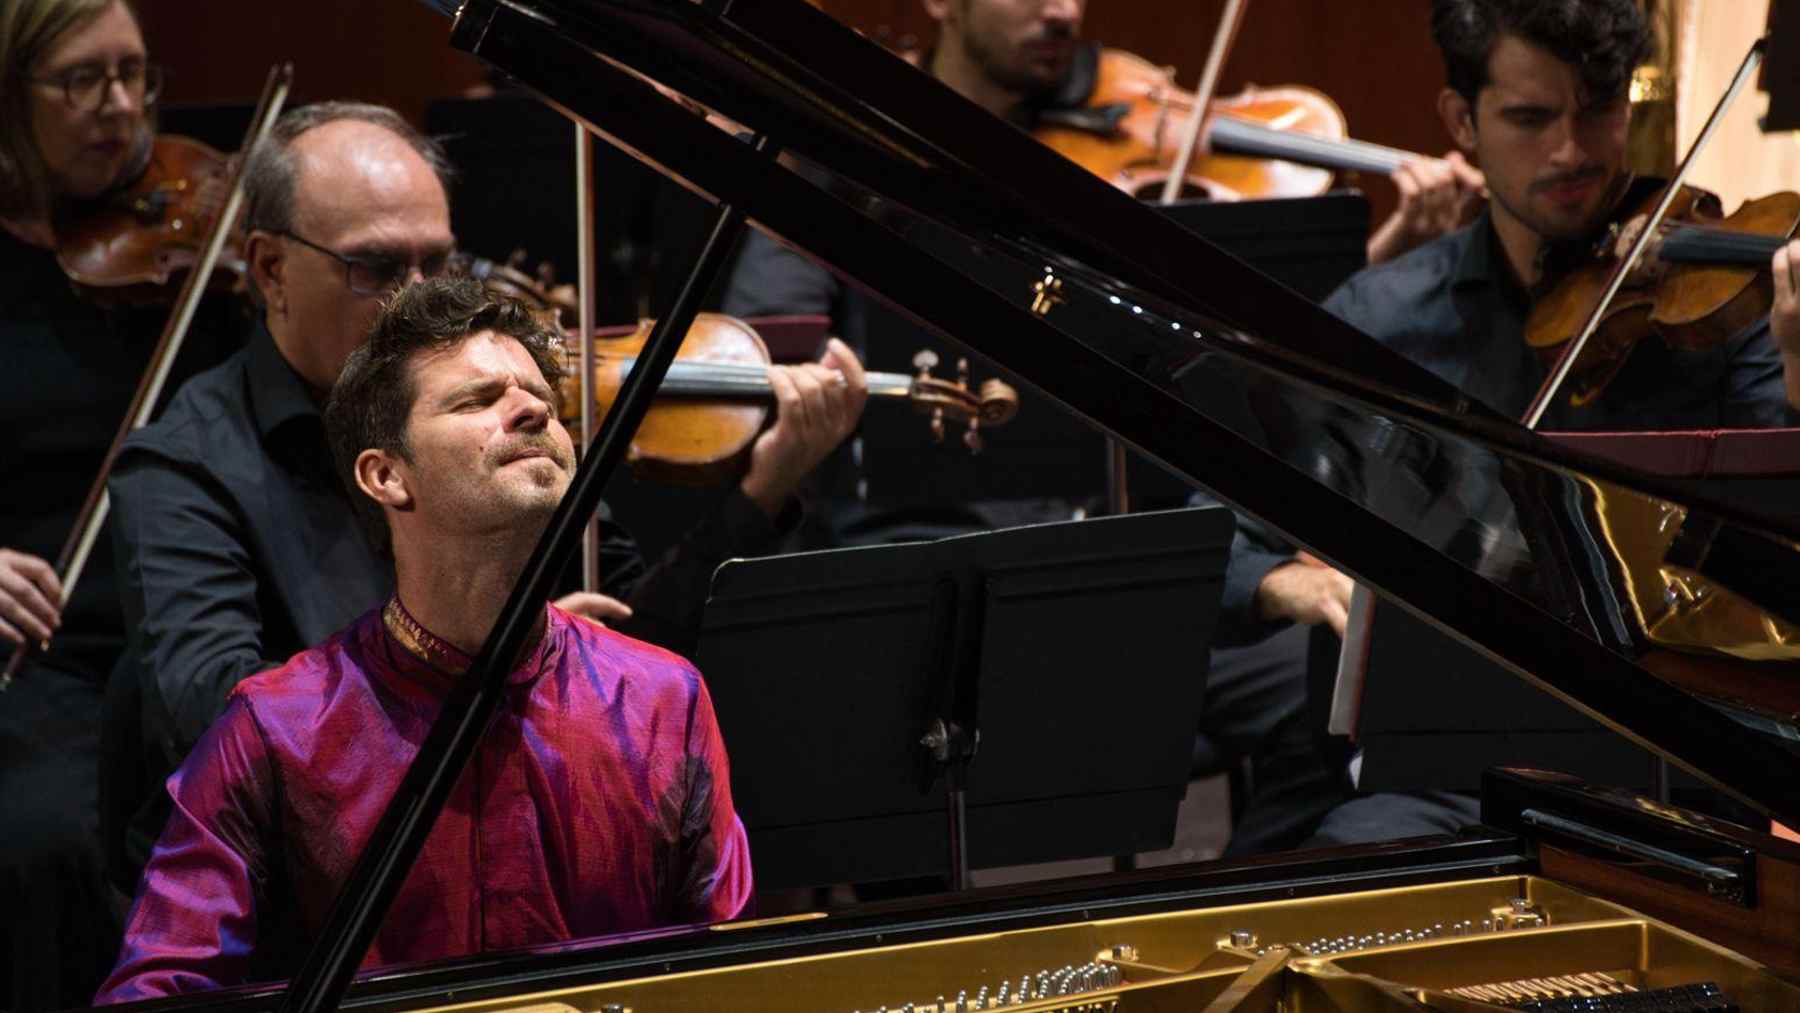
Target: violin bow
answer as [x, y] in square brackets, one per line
[79, 544]
[1623, 268]
[1118, 495]
[1203, 93]
[584, 330]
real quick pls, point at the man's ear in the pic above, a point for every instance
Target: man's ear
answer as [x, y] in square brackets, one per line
[267, 260]
[1459, 118]
[383, 478]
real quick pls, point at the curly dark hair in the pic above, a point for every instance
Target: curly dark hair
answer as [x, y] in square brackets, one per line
[374, 395]
[1604, 40]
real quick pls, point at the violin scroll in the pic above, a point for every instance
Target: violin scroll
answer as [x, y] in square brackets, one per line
[994, 405]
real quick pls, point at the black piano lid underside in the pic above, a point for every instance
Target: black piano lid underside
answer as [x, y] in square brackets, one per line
[1501, 576]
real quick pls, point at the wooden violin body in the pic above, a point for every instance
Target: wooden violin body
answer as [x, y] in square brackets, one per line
[716, 398]
[1703, 279]
[682, 440]
[131, 244]
[1263, 142]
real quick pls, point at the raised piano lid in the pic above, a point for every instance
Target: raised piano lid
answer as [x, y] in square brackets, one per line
[1562, 567]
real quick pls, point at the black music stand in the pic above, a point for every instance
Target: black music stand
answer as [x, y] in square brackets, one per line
[1309, 244]
[1050, 676]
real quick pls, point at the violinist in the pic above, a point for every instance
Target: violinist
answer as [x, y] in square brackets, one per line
[238, 543]
[77, 89]
[1537, 96]
[1022, 59]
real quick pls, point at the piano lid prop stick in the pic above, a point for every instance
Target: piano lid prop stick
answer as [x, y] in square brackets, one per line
[584, 331]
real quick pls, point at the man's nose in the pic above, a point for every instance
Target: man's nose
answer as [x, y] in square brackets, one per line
[1565, 139]
[530, 412]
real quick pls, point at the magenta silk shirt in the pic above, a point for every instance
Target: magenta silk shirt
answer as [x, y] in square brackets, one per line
[598, 802]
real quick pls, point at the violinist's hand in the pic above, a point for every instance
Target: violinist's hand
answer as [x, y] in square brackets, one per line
[1784, 315]
[816, 406]
[1436, 196]
[598, 607]
[1306, 593]
[30, 598]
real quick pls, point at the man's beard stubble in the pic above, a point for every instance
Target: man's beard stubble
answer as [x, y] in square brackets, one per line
[1022, 80]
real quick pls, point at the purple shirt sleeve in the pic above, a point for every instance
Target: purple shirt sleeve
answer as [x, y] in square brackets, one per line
[715, 880]
[193, 926]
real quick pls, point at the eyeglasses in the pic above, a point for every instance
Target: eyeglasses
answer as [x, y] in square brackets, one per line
[85, 87]
[376, 274]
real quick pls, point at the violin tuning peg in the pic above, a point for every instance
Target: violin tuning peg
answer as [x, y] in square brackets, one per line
[937, 425]
[925, 361]
[972, 436]
[962, 373]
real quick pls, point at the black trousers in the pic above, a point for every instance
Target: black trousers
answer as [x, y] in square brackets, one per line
[1256, 707]
[57, 927]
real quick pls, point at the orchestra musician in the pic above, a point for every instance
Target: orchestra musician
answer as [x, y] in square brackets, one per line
[599, 800]
[1537, 94]
[1019, 59]
[237, 542]
[77, 90]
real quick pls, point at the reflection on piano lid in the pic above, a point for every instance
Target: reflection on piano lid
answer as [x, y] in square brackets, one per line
[1537, 555]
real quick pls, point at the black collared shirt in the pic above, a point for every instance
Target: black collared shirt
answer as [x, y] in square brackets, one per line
[1454, 307]
[239, 547]
[72, 366]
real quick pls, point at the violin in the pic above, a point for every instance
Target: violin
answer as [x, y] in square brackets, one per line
[1703, 278]
[715, 399]
[1263, 142]
[131, 244]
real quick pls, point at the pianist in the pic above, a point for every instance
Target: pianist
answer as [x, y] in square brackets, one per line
[599, 801]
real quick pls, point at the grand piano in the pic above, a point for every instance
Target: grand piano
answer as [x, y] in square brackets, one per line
[1568, 571]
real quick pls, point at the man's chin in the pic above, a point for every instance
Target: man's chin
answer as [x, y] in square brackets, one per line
[1557, 224]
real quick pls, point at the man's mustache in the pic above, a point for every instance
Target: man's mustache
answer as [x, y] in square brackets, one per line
[542, 444]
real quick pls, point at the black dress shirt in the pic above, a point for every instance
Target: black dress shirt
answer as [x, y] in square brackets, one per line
[71, 369]
[1454, 307]
[239, 547]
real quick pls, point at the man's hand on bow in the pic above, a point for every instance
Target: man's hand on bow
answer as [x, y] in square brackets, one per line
[1436, 196]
